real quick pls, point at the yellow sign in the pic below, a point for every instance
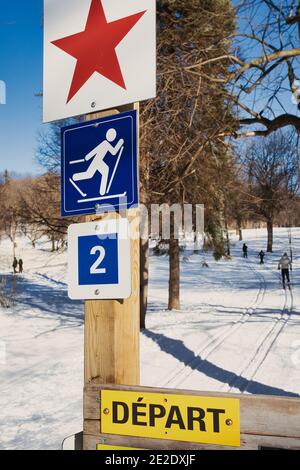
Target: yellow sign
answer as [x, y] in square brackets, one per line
[105, 447]
[207, 420]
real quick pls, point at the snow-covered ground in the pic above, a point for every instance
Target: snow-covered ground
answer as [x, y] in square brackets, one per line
[238, 331]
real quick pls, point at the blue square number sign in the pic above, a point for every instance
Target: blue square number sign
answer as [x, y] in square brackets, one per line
[99, 261]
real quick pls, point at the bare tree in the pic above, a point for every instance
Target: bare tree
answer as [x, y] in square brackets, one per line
[40, 207]
[264, 67]
[49, 146]
[10, 215]
[272, 172]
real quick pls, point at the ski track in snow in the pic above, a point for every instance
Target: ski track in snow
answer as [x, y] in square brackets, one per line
[236, 332]
[219, 361]
[265, 345]
[216, 343]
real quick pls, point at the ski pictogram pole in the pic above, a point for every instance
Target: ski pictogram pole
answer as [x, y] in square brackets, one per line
[74, 162]
[115, 169]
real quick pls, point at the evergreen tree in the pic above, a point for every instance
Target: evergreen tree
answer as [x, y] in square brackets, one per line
[181, 146]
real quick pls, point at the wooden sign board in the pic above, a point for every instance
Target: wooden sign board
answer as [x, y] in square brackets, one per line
[210, 420]
[109, 448]
[265, 421]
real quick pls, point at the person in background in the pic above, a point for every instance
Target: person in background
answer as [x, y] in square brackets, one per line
[245, 250]
[20, 266]
[262, 257]
[285, 264]
[15, 265]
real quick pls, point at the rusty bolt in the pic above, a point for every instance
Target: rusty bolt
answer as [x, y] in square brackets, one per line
[106, 411]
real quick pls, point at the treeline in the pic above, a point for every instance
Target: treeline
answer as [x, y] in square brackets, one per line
[257, 184]
[31, 206]
[186, 156]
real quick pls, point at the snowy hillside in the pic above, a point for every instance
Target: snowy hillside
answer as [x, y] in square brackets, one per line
[238, 331]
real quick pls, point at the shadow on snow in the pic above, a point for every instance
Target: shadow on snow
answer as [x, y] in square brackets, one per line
[178, 350]
[49, 300]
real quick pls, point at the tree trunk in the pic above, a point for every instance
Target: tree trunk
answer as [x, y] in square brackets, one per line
[227, 237]
[239, 227]
[13, 236]
[270, 236]
[197, 251]
[228, 243]
[174, 279]
[144, 278]
[53, 244]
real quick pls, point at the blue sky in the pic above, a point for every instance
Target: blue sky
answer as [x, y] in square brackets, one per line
[21, 55]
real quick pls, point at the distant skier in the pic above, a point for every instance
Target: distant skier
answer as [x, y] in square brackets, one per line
[285, 265]
[262, 257]
[20, 266]
[245, 250]
[15, 265]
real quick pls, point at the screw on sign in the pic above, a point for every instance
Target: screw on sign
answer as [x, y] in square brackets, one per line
[99, 262]
[187, 418]
[193, 416]
[100, 165]
[77, 78]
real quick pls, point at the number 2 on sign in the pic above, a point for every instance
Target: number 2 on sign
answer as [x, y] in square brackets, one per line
[95, 269]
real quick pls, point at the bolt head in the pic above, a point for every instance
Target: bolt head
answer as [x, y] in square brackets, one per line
[93, 104]
[229, 422]
[106, 411]
[97, 292]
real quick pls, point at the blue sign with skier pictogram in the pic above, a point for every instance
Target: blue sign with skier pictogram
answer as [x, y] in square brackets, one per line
[100, 165]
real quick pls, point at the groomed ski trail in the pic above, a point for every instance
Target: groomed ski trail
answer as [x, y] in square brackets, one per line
[181, 373]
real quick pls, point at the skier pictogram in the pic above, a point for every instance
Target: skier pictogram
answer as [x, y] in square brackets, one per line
[98, 165]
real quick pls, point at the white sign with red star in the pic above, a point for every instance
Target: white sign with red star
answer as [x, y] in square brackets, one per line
[98, 54]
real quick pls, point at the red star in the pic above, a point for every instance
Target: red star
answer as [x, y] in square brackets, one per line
[94, 48]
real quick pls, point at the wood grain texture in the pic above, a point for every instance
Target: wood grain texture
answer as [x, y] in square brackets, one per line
[112, 327]
[268, 421]
[111, 339]
[248, 442]
[112, 334]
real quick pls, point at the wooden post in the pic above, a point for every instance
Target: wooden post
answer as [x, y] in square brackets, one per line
[265, 421]
[112, 327]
